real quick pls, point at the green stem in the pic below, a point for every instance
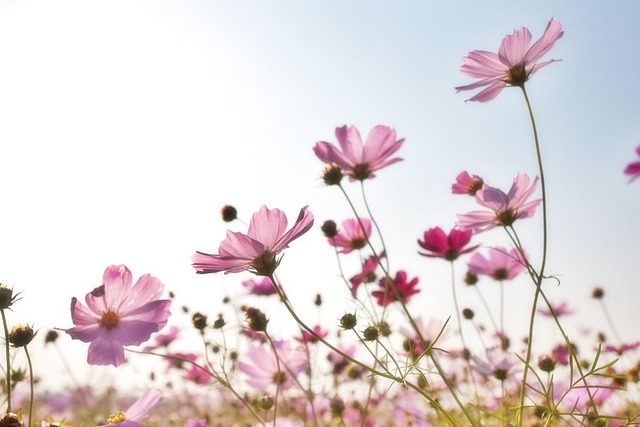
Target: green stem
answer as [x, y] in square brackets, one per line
[7, 356]
[26, 351]
[540, 275]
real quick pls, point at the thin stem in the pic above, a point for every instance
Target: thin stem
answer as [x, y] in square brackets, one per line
[486, 307]
[26, 351]
[7, 356]
[457, 307]
[375, 223]
[540, 275]
[275, 352]
[610, 322]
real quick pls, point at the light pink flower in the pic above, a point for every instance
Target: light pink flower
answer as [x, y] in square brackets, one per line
[467, 184]
[255, 251]
[352, 235]
[406, 289]
[357, 159]
[262, 370]
[505, 209]
[448, 247]
[498, 364]
[561, 309]
[138, 411]
[118, 314]
[633, 169]
[262, 287]
[163, 340]
[501, 265]
[514, 63]
[308, 337]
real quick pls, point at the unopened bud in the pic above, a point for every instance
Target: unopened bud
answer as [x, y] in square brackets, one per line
[256, 319]
[229, 213]
[371, 333]
[21, 335]
[597, 293]
[332, 174]
[348, 321]
[467, 313]
[199, 321]
[329, 228]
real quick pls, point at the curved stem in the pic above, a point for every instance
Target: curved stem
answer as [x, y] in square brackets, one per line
[375, 223]
[540, 275]
[7, 356]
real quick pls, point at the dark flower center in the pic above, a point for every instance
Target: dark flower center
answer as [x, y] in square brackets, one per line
[507, 218]
[500, 274]
[361, 171]
[450, 255]
[110, 319]
[279, 378]
[517, 75]
[358, 243]
[501, 374]
[266, 264]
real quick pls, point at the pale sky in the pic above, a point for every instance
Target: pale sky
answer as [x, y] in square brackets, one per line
[126, 125]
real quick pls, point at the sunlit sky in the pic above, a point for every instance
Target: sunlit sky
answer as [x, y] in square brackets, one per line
[126, 125]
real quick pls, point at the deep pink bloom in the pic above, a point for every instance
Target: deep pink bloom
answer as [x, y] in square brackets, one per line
[505, 209]
[352, 235]
[442, 246]
[368, 274]
[633, 169]
[467, 184]
[405, 288]
[262, 287]
[501, 265]
[255, 251]
[197, 375]
[118, 314]
[262, 370]
[357, 159]
[308, 337]
[138, 411]
[514, 63]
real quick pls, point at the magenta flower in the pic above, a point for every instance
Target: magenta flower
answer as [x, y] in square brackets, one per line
[501, 265]
[505, 209]
[262, 287]
[262, 370]
[633, 169]
[406, 289]
[352, 235]
[621, 349]
[448, 247]
[357, 159]
[514, 63]
[255, 251]
[308, 337]
[137, 411]
[467, 184]
[118, 314]
[561, 309]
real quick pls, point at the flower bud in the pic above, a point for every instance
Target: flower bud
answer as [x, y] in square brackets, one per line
[371, 333]
[266, 402]
[219, 322]
[546, 363]
[467, 313]
[51, 336]
[6, 297]
[597, 293]
[470, 278]
[199, 321]
[21, 335]
[332, 174]
[329, 228]
[10, 420]
[256, 319]
[229, 213]
[348, 321]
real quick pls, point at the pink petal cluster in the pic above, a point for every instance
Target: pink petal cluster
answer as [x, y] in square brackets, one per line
[262, 287]
[504, 209]
[138, 411]
[261, 365]
[633, 169]
[118, 314]
[501, 264]
[255, 251]
[514, 63]
[448, 247]
[406, 289]
[368, 274]
[353, 235]
[467, 184]
[359, 160]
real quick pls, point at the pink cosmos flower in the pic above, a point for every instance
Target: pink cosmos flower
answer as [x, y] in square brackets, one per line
[561, 309]
[442, 246]
[467, 184]
[163, 340]
[501, 265]
[255, 251]
[514, 63]
[118, 314]
[352, 235]
[620, 349]
[432, 330]
[137, 411]
[262, 370]
[505, 209]
[262, 287]
[357, 159]
[498, 364]
[310, 338]
[633, 169]
[368, 274]
[406, 289]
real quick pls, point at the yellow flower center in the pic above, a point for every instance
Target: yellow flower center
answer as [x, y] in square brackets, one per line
[110, 319]
[117, 418]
